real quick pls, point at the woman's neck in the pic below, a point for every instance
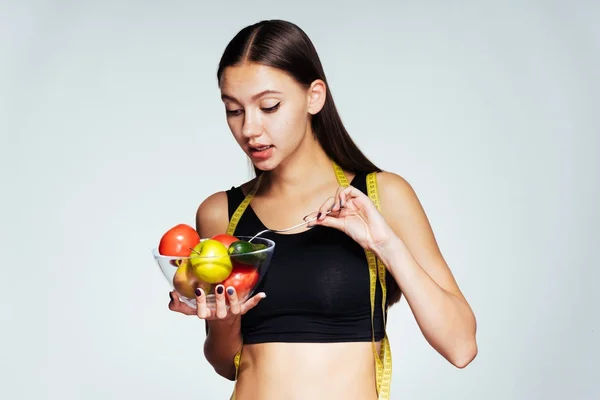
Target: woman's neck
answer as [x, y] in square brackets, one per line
[306, 168]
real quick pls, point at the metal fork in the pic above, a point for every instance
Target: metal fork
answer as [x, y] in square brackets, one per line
[286, 229]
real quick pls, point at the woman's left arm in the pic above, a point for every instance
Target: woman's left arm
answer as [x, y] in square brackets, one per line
[412, 256]
[401, 237]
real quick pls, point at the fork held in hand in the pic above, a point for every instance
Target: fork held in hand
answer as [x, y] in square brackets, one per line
[286, 229]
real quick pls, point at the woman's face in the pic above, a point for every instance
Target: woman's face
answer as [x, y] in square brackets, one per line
[267, 111]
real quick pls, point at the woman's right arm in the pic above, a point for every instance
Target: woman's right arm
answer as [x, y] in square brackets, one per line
[223, 333]
[223, 336]
[223, 327]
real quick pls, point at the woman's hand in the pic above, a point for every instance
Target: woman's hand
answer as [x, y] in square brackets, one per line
[236, 308]
[353, 212]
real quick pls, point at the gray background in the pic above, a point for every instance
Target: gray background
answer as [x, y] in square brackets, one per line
[113, 131]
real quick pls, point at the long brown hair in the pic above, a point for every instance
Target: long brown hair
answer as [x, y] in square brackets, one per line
[283, 45]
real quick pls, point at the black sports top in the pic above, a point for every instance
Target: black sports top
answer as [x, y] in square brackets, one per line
[317, 285]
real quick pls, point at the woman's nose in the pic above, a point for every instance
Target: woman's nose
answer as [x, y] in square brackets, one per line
[252, 126]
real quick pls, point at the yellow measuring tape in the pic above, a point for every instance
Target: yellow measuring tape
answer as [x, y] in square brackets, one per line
[383, 364]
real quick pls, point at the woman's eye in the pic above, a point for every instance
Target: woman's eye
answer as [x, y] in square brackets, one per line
[233, 112]
[272, 109]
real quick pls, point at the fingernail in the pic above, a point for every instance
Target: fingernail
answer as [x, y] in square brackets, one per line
[230, 291]
[318, 215]
[198, 292]
[220, 289]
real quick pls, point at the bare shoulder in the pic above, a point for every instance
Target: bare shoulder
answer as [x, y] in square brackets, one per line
[398, 199]
[212, 216]
[401, 206]
[394, 186]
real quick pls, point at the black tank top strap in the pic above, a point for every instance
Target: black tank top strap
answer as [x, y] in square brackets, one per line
[234, 198]
[360, 181]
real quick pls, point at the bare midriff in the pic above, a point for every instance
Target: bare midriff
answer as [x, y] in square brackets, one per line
[301, 371]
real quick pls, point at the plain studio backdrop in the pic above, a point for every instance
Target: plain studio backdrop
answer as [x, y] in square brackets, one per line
[113, 131]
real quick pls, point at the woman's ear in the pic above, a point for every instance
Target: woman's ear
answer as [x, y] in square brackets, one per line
[317, 93]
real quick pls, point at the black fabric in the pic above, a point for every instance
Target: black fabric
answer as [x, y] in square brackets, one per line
[317, 285]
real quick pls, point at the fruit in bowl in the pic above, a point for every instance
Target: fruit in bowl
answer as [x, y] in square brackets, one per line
[189, 262]
[178, 241]
[210, 261]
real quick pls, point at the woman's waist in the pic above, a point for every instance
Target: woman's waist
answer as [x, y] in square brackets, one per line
[307, 370]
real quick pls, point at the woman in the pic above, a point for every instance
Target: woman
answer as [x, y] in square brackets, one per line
[309, 331]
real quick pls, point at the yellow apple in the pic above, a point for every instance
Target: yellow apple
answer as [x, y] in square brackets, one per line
[210, 261]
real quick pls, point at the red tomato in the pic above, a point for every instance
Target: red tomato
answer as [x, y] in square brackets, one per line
[225, 239]
[243, 278]
[178, 241]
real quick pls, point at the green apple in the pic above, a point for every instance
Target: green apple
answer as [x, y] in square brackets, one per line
[245, 252]
[210, 261]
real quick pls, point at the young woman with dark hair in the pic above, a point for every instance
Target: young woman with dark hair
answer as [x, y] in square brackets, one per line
[316, 327]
